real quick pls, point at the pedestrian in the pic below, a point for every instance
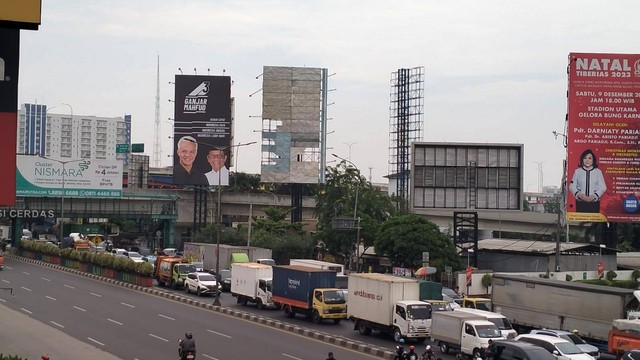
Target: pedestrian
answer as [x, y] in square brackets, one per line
[330, 356]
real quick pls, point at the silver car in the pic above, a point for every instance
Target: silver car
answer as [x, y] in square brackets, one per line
[581, 344]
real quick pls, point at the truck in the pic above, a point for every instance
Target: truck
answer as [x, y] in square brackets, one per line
[624, 335]
[467, 332]
[341, 277]
[308, 291]
[206, 253]
[252, 283]
[389, 304]
[535, 303]
[172, 271]
[479, 303]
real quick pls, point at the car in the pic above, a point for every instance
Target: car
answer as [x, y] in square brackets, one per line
[631, 355]
[452, 294]
[452, 303]
[581, 344]
[224, 279]
[151, 259]
[120, 252]
[518, 350]
[561, 348]
[201, 283]
[135, 256]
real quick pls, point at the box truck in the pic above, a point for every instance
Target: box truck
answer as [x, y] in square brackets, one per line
[308, 291]
[467, 332]
[341, 277]
[389, 304]
[252, 283]
[206, 253]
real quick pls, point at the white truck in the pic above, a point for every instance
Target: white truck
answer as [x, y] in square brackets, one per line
[503, 324]
[389, 304]
[252, 283]
[467, 332]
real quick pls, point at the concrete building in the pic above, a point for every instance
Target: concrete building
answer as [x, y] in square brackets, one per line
[41, 132]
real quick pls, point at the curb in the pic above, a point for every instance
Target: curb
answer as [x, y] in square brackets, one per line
[327, 338]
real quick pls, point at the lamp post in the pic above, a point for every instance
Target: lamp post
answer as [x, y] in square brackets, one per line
[355, 211]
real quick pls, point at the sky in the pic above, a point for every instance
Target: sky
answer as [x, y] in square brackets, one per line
[495, 70]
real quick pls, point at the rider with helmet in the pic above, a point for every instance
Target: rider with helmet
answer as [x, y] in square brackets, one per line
[411, 355]
[428, 353]
[188, 344]
[399, 355]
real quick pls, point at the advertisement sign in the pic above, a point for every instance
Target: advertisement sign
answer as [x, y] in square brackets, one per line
[202, 130]
[85, 178]
[469, 273]
[20, 14]
[600, 269]
[9, 55]
[603, 136]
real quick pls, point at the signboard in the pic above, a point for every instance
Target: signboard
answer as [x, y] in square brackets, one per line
[202, 130]
[122, 148]
[20, 14]
[469, 273]
[137, 148]
[600, 269]
[603, 134]
[85, 178]
[9, 51]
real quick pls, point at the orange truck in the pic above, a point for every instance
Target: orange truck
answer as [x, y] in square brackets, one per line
[624, 335]
[1, 262]
[172, 271]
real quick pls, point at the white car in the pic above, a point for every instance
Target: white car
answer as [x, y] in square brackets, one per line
[201, 283]
[135, 256]
[561, 348]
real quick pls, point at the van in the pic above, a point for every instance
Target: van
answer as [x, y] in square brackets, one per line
[561, 348]
[500, 320]
[517, 350]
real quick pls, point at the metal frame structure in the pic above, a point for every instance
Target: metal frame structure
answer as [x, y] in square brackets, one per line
[465, 232]
[405, 125]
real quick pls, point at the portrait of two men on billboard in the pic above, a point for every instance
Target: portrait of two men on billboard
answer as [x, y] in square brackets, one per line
[198, 164]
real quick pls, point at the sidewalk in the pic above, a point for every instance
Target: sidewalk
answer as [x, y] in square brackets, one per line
[28, 338]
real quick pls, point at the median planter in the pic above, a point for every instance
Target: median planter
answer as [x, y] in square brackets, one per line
[51, 259]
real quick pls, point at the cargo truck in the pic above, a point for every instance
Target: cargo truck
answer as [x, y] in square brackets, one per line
[341, 277]
[252, 283]
[389, 304]
[536, 303]
[206, 253]
[308, 291]
[467, 332]
[623, 336]
[172, 271]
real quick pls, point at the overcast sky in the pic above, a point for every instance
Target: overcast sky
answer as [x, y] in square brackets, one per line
[495, 71]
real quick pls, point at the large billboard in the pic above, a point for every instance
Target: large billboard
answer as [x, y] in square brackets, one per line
[202, 130]
[9, 56]
[603, 135]
[84, 178]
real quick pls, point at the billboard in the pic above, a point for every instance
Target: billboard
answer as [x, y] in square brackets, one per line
[9, 56]
[85, 178]
[20, 14]
[603, 138]
[202, 130]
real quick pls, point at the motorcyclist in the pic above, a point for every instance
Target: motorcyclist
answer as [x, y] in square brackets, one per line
[399, 351]
[188, 344]
[411, 355]
[428, 353]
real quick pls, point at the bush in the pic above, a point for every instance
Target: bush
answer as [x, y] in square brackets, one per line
[635, 274]
[611, 275]
[66, 253]
[144, 269]
[568, 277]
[486, 281]
[10, 357]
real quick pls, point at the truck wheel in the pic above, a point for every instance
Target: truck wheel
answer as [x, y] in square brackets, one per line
[316, 317]
[198, 292]
[397, 335]
[336, 321]
[260, 305]
[477, 353]
[289, 312]
[186, 289]
[160, 283]
[444, 347]
[243, 301]
[363, 329]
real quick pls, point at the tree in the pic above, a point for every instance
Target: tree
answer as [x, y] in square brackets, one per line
[286, 240]
[344, 188]
[403, 239]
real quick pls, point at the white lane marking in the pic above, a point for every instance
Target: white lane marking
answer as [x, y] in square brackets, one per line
[56, 324]
[129, 305]
[4, 280]
[166, 317]
[210, 357]
[96, 295]
[221, 334]
[95, 341]
[158, 337]
[69, 286]
[115, 322]
[79, 308]
[25, 310]
[45, 279]
[291, 356]
[8, 267]
[22, 287]
[50, 298]
[26, 273]
[3, 300]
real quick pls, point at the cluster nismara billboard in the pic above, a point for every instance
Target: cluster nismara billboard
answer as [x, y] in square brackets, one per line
[202, 130]
[603, 135]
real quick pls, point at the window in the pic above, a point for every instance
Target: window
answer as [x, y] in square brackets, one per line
[468, 329]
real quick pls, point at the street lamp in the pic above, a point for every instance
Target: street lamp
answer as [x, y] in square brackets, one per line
[350, 145]
[355, 211]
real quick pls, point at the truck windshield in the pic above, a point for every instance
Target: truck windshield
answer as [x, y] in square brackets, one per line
[501, 323]
[185, 268]
[334, 297]
[419, 312]
[488, 331]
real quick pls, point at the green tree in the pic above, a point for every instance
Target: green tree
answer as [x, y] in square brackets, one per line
[344, 191]
[552, 206]
[403, 239]
[243, 182]
[286, 240]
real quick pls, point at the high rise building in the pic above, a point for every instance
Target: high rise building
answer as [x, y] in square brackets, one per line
[43, 133]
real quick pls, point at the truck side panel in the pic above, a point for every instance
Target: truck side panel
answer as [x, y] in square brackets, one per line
[294, 285]
[245, 277]
[447, 325]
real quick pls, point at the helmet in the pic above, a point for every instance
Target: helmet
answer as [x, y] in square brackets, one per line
[45, 356]
[188, 335]
[401, 341]
[412, 347]
[428, 347]
[575, 331]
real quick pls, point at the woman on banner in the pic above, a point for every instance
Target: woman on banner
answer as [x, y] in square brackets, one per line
[587, 184]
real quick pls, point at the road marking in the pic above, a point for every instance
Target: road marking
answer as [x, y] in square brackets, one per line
[221, 334]
[79, 308]
[9, 267]
[22, 287]
[50, 298]
[56, 324]
[69, 286]
[97, 295]
[45, 279]
[129, 305]
[26, 273]
[3, 300]
[166, 317]
[158, 337]
[116, 322]
[291, 356]
[210, 357]
[25, 310]
[7, 281]
[96, 341]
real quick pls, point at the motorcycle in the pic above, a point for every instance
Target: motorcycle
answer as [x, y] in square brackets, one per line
[189, 355]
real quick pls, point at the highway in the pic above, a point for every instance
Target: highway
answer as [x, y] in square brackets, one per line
[130, 324]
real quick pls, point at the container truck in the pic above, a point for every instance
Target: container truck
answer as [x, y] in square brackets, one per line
[467, 332]
[389, 304]
[308, 291]
[624, 335]
[535, 303]
[341, 277]
[252, 283]
[206, 253]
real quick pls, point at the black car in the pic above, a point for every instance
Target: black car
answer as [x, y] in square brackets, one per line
[224, 279]
[518, 350]
[631, 355]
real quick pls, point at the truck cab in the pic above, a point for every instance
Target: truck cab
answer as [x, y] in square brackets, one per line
[172, 271]
[477, 303]
[412, 319]
[329, 304]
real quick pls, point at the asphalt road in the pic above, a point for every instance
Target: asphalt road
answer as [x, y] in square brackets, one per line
[130, 324]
